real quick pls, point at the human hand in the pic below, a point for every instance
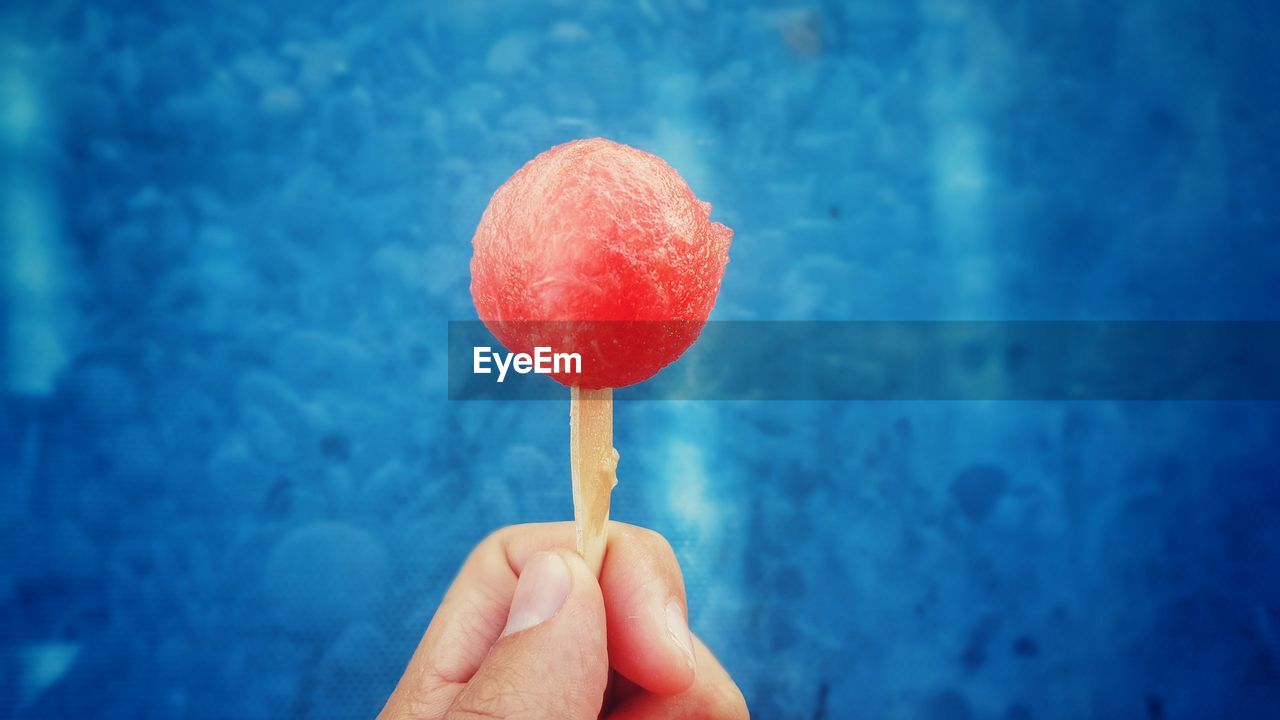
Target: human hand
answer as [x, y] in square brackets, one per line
[526, 632]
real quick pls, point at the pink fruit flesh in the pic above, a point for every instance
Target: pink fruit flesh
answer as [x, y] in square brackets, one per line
[610, 240]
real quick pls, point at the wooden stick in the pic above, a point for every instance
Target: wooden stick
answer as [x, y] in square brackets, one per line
[593, 466]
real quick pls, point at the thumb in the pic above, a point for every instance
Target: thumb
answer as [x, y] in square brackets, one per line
[551, 660]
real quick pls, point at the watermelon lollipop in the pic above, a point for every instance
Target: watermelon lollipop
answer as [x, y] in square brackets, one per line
[599, 249]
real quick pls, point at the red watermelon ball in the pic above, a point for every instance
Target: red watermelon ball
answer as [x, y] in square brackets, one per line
[601, 249]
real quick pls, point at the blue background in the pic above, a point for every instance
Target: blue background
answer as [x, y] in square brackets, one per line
[230, 484]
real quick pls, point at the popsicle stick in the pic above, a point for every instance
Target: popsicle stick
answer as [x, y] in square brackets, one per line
[593, 466]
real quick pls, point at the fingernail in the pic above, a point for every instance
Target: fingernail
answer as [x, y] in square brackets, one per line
[540, 591]
[678, 628]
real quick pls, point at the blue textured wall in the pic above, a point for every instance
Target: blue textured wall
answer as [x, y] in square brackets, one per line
[230, 485]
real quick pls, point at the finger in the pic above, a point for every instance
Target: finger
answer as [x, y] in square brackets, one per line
[551, 659]
[713, 696]
[649, 639]
[639, 579]
[466, 624]
[644, 596]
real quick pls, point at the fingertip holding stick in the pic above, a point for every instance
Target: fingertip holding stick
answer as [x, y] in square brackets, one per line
[593, 467]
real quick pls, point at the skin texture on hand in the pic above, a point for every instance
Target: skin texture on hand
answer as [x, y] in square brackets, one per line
[526, 632]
